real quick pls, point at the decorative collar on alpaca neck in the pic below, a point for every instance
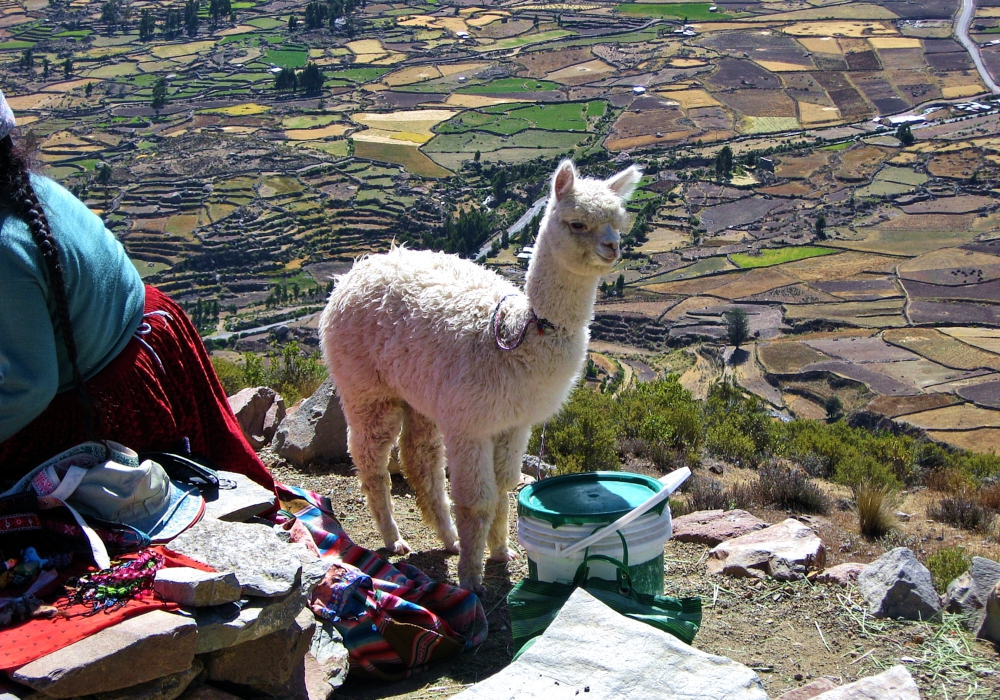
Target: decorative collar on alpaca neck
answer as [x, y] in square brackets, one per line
[540, 323]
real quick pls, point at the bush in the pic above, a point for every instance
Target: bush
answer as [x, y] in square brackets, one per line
[849, 455]
[960, 511]
[989, 497]
[659, 421]
[706, 493]
[872, 500]
[948, 481]
[739, 428]
[947, 564]
[789, 488]
[582, 437]
[291, 372]
[230, 374]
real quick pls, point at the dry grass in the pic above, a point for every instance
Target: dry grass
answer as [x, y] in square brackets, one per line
[873, 503]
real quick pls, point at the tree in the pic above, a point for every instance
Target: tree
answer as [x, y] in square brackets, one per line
[159, 95]
[89, 90]
[27, 60]
[172, 22]
[218, 9]
[477, 156]
[68, 67]
[821, 227]
[293, 22]
[103, 175]
[905, 135]
[834, 408]
[499, 185]
[191, 8]
[316, 14]
[45, 68]
[111, 15]
[620, 285]
[724, 163]
[285, 81]
[147, 24]
[311, 79]
[737, 327]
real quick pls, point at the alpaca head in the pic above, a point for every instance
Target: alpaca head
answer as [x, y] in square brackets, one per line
[585, 219]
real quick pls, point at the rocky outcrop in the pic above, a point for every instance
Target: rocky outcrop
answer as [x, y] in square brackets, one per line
[894, 684]
[968, 593]
[713, 527]
[785, 551]
[258, 410]
[896, 585]
[315, 430]
[990, 627]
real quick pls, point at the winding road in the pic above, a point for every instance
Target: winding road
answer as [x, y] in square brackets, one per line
[962, 32]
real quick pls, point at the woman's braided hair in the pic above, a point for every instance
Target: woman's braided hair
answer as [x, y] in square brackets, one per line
[18, 197]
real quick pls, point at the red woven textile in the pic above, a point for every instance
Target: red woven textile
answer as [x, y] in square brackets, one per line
[144, 406]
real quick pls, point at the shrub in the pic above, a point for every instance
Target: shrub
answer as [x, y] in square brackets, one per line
[706, 493]
[989, 497]
[582, 436]
[976, 465]
[230, 374]
[961, 512]
[789, 488]
[659, 421]
[947, 564]
[850, 455]
[739, 428]
[872, 500]
[291, 372]
[948, 480]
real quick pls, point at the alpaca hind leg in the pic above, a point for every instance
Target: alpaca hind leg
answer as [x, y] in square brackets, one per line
[508, 450]
[474, 490]
[421, 453]
[373, 429]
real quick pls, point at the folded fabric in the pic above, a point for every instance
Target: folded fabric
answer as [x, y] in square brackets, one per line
[395, 620]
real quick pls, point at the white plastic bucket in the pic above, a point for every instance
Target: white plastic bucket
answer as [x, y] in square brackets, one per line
[645, 538]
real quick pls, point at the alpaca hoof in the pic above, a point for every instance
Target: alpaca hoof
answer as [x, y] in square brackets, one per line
[504, 556]
[452, 548]
[476, 586]
[400, 546]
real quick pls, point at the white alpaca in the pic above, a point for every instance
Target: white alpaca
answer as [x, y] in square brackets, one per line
[409, 340]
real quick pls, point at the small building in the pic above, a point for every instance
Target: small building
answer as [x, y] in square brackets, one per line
[901, 119]
[639, 89]
[765, 164]
[524, 257]
[713, 8]
[462, 35]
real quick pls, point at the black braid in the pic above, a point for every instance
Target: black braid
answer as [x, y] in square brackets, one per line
[18, 196]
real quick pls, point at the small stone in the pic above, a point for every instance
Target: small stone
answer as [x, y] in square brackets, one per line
[241, 503]
[107, 660]
[251, 407]
[894, 684]
[990, 628]
[534, 467]
[715, 526]
[808, 691]
[317, 429]
[327, 662]
[272, 665]
[902, 517]
[841, 574]
[196, 589]
[263, 564]
[896, 585]
[166, 688]
[968, 593]
[784, 551]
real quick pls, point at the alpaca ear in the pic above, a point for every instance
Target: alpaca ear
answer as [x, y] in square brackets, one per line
[624, 183]
[563, 180]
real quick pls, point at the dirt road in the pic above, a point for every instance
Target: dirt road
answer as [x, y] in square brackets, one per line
[962, 33]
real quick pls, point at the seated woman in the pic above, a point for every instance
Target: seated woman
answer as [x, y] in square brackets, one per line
[86, 350]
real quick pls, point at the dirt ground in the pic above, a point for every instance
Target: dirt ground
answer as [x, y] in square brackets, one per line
[789, 633]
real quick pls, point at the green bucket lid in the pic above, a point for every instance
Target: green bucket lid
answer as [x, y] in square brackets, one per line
[582, 499]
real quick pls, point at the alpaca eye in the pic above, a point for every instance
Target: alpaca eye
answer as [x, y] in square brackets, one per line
[578, 226]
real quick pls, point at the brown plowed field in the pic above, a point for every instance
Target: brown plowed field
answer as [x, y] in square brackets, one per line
[787, 356]
[892, 406]
[941, 348]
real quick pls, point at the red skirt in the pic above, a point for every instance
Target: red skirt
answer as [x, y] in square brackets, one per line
[148, 398]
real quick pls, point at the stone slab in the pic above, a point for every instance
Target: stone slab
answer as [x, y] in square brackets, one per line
[107, 660]
[242, 503]
[785, 551]
[894, 684]
[248, 619]
[327, 662]
[967, 594]
[896, 585]
[571, 660]
[197, 589]
[166, 688]
[715, 526]
[990, 627]
[809, 690]
[264, 565]
[316, 429]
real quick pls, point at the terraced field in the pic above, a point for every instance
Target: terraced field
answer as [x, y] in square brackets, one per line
[870, 267]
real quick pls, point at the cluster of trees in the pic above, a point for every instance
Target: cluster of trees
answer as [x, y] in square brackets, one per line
[309, 80]
[319, 14]
[641, 227]
[617, 289]
[204, 314]
[175, 19]
[463, 235]
[291, 293]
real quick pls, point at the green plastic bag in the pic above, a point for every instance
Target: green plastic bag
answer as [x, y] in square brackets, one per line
[534, 605]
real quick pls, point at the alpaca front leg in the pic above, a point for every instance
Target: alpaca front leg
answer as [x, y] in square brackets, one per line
[474, 490]
[369, 439]
[508, 450]
[421, 451]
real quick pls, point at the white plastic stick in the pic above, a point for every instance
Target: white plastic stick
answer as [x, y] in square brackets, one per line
[670, 484]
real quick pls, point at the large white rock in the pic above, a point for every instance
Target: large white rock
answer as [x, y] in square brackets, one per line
[591, 651]
[239, 504]
[258, 410]
[264, 565]
[896, 585]
[713, 527]
[195, 588]
[894, 684]
[784, 551]
[967, 594]
[134, 651]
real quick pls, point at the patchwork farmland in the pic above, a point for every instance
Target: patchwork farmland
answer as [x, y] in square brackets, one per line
[868, 261]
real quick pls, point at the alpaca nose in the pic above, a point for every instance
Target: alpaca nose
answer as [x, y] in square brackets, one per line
[611, 241]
